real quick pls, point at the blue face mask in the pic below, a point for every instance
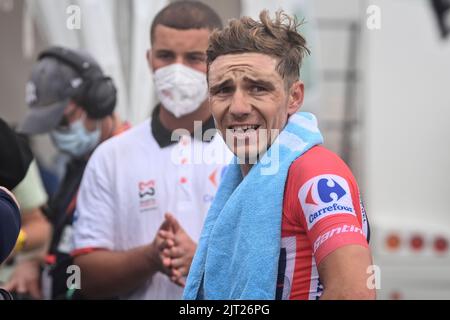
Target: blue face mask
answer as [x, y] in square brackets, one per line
[76, 140]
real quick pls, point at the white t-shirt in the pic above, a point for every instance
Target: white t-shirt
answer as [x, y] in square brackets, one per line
[129, 184]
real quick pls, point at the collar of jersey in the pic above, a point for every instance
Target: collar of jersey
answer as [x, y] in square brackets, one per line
[163, 135]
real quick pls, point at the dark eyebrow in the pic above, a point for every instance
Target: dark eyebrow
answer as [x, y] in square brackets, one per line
[164, 51]
[266, 84]
[195, 53]
[217, 87]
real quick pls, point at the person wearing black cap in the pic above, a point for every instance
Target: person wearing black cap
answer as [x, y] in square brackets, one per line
[15, 157]
[71, 99]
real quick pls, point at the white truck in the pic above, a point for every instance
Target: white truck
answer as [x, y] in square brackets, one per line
[406, 143]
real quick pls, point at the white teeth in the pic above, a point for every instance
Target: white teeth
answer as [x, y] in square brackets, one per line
[244, 128]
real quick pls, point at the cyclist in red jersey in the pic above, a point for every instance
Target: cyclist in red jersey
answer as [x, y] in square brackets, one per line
[254, 84]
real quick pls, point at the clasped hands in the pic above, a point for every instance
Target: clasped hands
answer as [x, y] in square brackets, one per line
[174, 250]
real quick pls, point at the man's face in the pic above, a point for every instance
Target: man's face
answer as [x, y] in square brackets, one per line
[249, 101]
[187, 47]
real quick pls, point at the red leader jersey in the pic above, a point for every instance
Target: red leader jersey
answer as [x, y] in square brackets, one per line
[322, 211]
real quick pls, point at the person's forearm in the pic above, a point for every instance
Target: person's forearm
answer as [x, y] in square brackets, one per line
[348, 294]
[107, 274]
[37, 230]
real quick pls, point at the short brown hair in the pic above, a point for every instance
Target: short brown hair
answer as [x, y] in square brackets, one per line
[278, 38]
[184, 15]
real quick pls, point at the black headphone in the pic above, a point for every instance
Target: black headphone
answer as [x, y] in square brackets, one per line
[95, 92]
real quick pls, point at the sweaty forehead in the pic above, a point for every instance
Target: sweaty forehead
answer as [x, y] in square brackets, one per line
[252, 65]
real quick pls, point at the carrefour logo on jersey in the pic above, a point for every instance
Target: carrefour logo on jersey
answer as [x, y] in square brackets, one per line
[323, 196]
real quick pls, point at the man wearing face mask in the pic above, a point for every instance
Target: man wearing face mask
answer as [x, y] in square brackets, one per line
[71, 99]
[145, 194]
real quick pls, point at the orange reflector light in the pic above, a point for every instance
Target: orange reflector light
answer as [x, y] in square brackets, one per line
[393, 242]
[395, 295]
[440, 244]
[416, 242]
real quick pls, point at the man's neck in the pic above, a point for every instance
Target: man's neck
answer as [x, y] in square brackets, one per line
[109, 126]
[170, 122]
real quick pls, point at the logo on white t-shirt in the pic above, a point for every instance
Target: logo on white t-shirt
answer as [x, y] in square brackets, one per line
[214, 179]
[323, 196]
[147, 195]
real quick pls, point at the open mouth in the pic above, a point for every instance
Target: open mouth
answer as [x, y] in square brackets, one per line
[241, 129]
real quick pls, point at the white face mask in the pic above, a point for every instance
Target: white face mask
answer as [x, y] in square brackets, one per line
[76, 140]
[180, 89]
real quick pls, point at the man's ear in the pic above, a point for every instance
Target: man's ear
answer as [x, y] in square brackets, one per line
[296, 94]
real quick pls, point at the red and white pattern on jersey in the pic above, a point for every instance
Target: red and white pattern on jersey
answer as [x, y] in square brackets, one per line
[322, 211]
